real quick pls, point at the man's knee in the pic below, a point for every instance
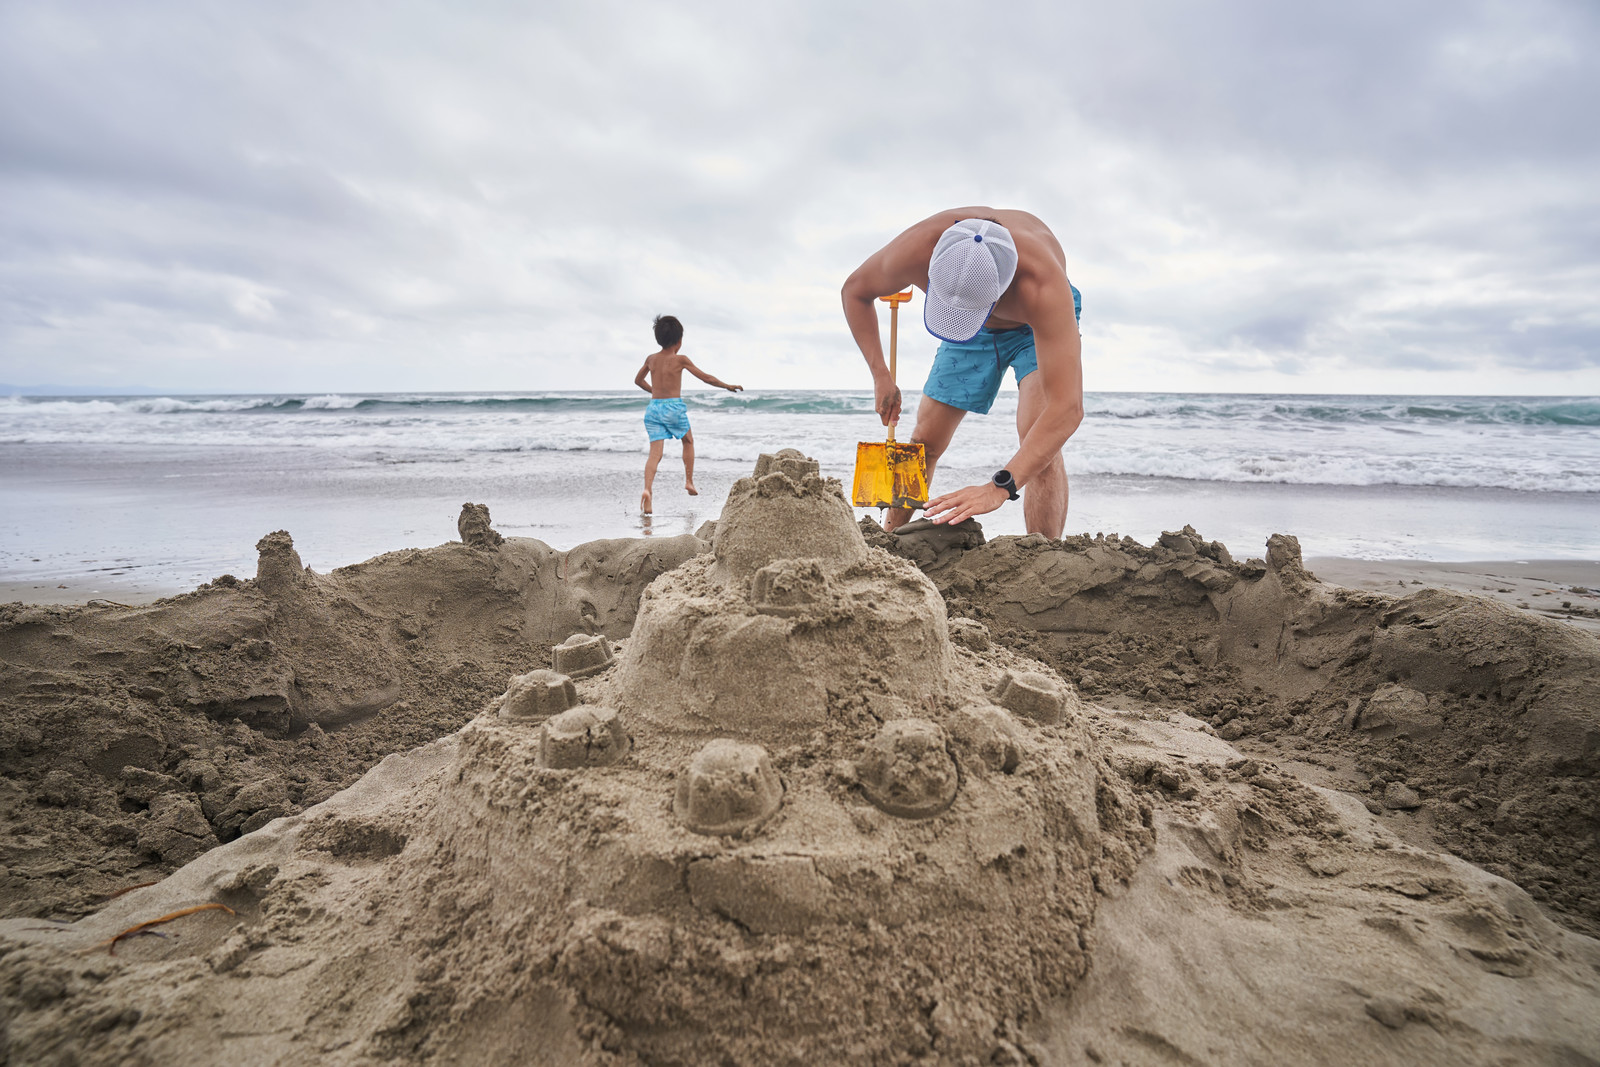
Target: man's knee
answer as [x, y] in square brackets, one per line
[933, 449]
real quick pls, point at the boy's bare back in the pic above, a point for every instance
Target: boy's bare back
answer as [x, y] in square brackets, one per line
[665, 369]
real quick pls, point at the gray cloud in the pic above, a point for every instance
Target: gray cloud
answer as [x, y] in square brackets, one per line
[383, 196]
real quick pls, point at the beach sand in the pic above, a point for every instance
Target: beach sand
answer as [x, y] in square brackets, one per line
[1563, 589]
[804, 791]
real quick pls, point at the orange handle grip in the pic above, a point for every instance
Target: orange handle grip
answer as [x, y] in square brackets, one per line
[896, 299]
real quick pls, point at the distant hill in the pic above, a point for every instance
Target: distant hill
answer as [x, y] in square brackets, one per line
[83, 390]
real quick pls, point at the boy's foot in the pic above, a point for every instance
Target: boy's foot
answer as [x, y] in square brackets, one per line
[692, 490]
[644, 502]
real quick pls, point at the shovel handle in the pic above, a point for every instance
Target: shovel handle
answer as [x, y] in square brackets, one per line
[894, 300]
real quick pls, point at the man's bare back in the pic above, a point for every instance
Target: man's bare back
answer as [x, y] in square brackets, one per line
[1038, 253]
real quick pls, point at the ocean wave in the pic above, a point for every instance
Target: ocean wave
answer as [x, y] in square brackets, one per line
[797, 402]
[1342, 410]
[1530, 444]
[1316, 470]
[1417, 411]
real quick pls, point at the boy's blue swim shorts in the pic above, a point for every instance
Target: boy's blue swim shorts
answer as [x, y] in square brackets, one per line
[967, 374]
[666, 418]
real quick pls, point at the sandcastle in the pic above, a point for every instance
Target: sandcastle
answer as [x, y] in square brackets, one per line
[790, 743]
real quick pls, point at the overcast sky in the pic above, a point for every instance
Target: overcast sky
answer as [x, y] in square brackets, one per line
[1252, 195]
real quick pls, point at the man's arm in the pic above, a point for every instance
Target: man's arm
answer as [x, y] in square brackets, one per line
[901, 262]
[1060, 352]
[639, 379]
[688, 365]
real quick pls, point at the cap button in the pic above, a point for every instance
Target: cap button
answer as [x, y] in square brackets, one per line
[978, 237]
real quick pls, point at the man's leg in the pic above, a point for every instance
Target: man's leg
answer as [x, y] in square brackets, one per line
[1044, 499]
[936, 424]
[650, 466]
[688, 463]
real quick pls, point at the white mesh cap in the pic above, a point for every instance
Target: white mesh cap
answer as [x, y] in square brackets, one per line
[970, 267]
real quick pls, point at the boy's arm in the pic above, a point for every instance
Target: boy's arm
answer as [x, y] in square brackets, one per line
[688, 365]
[639, 379]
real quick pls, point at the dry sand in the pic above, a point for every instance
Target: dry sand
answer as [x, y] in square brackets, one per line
[833, 796]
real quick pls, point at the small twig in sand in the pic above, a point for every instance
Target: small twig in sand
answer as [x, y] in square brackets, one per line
[112, 603]
[126, 889]
[141, 927]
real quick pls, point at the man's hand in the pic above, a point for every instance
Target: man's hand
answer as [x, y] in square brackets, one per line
[886, 399]
[734, 388]
[963, 504]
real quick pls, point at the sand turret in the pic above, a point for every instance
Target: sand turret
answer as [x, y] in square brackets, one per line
[790, 606]
[785, 510]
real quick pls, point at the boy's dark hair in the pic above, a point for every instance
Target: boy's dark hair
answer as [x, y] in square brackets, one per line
[669, 331]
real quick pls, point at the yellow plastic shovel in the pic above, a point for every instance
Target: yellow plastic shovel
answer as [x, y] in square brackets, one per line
[891, 475]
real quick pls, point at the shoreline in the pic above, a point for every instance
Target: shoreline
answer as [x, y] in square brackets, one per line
[1566, 590]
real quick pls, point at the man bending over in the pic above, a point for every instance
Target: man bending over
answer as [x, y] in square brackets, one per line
[667, 415]
[998, 297]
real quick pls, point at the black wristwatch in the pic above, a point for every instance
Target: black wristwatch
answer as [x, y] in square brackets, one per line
[1003, 479]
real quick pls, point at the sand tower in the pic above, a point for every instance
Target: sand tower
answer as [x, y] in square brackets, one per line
[790, 604]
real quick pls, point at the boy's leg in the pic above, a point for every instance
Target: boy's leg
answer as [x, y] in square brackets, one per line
[936, 424]
[688, 463]
[1044, 500]
[650, 465]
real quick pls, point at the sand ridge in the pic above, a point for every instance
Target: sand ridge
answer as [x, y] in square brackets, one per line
[131, 740]
[1487, 717]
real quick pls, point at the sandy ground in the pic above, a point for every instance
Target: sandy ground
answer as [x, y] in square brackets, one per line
[818, 794]
[1563, 589]
[86, 590]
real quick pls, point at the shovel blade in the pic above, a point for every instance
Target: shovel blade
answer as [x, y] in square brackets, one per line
[890, 475]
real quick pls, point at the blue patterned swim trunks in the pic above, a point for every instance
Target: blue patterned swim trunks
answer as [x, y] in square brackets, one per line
[967, 374]
[666, 418]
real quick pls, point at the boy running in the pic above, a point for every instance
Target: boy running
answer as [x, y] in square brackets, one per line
[667, 416]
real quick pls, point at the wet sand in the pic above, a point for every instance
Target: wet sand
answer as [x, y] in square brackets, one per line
[1564, 589]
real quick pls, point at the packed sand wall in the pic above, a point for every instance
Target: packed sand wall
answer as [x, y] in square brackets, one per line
[133, 739]
[1485, 718]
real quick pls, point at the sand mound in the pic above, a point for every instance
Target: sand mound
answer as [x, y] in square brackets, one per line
[1486, 717]
[132, 739]
[817, 876]
[1280, 923]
